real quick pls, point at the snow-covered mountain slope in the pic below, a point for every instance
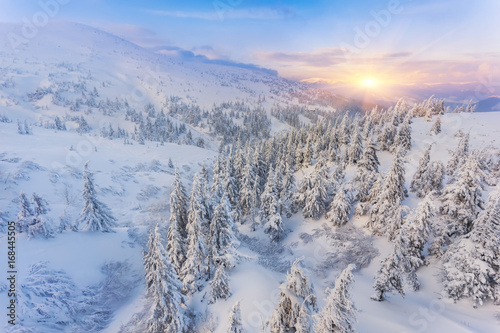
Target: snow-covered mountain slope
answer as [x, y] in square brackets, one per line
[135, 182]
[76, 58]
[88, 281]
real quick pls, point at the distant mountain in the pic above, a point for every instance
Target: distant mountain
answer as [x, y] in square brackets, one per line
[488, 105]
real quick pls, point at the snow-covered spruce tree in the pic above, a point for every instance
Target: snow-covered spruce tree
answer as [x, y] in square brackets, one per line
[314, 194]
[437, 170]
[218, 174]
[417, 227]
[369, 159]
[176, 245]
[402, 141]
[39, 225]
[339, 209]
[339, 314]
[389, 277]
[83, 126]
[363, 182]
[287, 207]
[284, 315]
[471, 265]
[220, 237]
[246, 190]
[179, 205]
[269, 198]
[235, 321]
[95, 215]
[386, 136]
[436, 127]
[219, 286]
[385, 208]
[274, 224]
[462, 200]
[371, 192]
[20, 129]
[231, 188]
[459, 155]
[177, 233]
[355, 148]
[296, 304]
[307, 154]
[422, 176]
[60, 126]
[298, 283]
[261, 169]
[24, 217]
[394, 220]
[394, 183]
[194, 269]
[479, 168]
[344, 130]
[163, 288]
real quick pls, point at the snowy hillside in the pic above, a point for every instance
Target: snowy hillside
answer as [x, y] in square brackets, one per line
[242, 178]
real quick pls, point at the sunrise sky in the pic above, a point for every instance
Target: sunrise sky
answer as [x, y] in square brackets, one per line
[451, 47]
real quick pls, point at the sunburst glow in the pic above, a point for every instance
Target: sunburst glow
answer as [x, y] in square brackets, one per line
[369, 82]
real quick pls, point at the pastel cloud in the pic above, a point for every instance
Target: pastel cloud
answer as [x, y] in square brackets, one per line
[228, 12]
[321, 58]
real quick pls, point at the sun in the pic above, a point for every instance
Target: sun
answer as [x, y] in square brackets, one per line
[369, 82]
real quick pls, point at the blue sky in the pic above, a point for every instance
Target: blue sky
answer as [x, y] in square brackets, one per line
[403, 43]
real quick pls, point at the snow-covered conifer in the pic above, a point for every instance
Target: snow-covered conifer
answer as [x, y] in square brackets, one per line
[403, 137]
[95, 215]
[246, 190]
[471, 265]
[235, 321]
[298, 283]
[269, 197]
[220, 237]
[462, 200]
[176, 246]
[385, 210]
[164, 289]
[314, 194]
[20, 129]
[296, 304]
[194, 269]
[219, 286]
[369, 159]
[339, 209]
[422, 175]
[39, 225]
[394, 220]
[339, 313]
[344, 131]
[24, 217]
[389, 277]
[459, 155]
[179, 205]
[417, 227]
[287, 207]
[355, 148]
[436, 127]
[274, 223]
[363, 182]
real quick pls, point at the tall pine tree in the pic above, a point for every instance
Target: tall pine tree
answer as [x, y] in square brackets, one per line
[164, 289]
[95, 215]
